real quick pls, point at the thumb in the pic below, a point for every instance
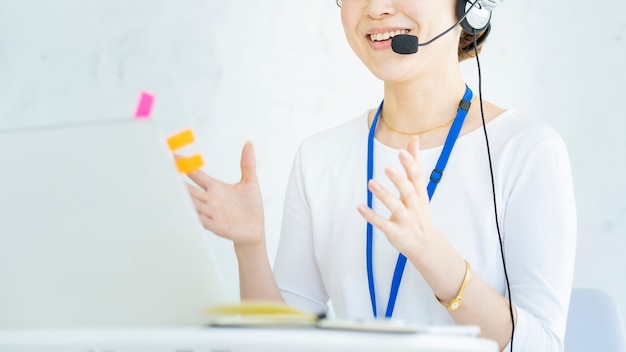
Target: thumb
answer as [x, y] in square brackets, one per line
[248, 163]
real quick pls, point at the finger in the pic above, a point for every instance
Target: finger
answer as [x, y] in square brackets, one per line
[406, 188]
[376, 220]
[202, 207]
[206, 222]
[201, 202]
[414, 147]
[248, 163]
[201, 179]
[412, 165]
[197, 177]
[211, 225]
[395, 205]
[196, 193]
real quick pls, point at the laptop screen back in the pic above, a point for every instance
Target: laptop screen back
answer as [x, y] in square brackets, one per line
[97, 229]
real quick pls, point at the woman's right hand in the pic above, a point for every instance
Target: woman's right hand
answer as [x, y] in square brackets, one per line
[232, 211]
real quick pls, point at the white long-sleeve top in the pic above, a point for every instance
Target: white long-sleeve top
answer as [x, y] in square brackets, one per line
[321, 253]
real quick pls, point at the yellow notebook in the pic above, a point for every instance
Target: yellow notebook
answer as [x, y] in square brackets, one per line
[259, 313]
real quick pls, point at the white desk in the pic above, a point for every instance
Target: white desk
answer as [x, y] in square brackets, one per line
[234, 340]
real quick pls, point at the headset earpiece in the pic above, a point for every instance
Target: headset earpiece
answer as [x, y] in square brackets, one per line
[478, 17]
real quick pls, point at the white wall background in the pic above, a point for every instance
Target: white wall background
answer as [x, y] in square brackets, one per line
[275, 71]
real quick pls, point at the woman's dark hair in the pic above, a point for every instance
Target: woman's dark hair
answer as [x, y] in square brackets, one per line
[466, 44]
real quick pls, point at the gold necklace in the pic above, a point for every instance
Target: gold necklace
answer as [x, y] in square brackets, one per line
[417, 132]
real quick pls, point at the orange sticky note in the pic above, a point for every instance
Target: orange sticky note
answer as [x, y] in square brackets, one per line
[189, 164]
[180, 140]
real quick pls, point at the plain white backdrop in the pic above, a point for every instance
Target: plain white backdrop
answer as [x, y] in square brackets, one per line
[276, 71]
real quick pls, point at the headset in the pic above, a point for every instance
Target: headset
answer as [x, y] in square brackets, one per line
[475, 19]
[475, 16]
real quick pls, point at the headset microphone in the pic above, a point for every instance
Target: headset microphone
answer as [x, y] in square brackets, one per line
[404, 44]
[474, 16]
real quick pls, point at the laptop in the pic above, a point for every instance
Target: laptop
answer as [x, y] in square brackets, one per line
[97, 230]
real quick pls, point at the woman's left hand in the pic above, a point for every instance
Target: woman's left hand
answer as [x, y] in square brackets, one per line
[410, 224]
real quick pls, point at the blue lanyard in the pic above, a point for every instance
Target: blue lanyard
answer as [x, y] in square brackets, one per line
[435, 177]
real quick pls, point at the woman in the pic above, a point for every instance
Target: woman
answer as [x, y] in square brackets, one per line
[454, 271]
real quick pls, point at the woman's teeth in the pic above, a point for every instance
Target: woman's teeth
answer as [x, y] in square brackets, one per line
[377, 37]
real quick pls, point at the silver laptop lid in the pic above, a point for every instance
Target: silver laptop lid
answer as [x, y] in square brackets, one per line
[97, 229]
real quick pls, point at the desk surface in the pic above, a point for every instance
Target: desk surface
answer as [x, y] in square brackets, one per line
[223, 339]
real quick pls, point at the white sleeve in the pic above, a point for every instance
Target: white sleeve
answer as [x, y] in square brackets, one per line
[540, 244]
[295, 268]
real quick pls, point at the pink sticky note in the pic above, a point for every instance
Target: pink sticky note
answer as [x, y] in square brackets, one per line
[145, 106]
